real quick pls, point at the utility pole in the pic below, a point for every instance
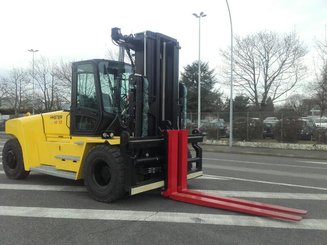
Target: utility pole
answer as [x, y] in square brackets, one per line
[231, 79]
[199, 16]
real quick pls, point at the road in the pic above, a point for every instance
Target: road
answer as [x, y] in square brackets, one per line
[49, 210]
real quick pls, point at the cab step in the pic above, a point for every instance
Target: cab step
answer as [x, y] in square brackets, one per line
[51, 170]
[67, 157]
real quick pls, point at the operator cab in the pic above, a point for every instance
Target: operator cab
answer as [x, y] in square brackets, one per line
[99, 96]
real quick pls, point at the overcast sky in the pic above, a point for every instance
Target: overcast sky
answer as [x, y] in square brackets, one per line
[77, 30]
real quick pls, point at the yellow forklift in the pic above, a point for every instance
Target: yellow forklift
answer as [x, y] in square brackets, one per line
[113, 134]
[125, 131]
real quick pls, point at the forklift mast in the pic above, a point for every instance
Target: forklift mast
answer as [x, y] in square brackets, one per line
[156, 59]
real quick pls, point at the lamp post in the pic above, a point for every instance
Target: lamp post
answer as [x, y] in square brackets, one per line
[33, 52]
[199, 16]
[231, 79]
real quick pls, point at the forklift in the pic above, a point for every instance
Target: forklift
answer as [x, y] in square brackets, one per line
[125, 131]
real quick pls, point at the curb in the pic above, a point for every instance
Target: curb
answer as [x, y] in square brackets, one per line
[270, 145]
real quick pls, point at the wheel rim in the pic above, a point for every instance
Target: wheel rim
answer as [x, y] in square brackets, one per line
[11, 160]
[101, 173]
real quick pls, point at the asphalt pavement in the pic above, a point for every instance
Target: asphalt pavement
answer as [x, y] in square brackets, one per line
[316, 154]
[310, 154]
[48, 210]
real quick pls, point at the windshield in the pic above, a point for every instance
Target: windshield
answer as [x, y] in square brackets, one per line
[114, 84]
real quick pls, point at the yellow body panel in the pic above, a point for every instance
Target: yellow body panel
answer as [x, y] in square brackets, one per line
[45, 140]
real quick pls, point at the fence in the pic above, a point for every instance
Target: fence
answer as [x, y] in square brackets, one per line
[286, 126]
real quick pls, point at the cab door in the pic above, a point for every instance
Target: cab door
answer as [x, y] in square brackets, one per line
[85, 109]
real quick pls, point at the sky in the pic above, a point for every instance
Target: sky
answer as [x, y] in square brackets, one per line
[79, 29]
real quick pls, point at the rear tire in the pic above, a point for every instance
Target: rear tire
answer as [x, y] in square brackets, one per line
[104, 173]
[12, 159]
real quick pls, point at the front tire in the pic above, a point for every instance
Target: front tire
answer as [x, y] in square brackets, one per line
[12, 159]
[104, 173]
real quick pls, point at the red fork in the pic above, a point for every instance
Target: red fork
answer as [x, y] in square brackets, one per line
[177, 186]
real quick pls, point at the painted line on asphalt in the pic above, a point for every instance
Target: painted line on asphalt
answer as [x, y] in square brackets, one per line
[265, 164]
[268, 172]
[268, 195]
[212, 177]
[24, 187]
[216, 177]
[314, 162]
[270, 182]
[167, 217]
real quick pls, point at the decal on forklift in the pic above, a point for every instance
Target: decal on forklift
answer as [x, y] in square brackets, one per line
[57, 119]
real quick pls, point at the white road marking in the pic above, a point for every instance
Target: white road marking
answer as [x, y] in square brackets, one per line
[269, 182]
[270, 195]
[212, 177]
[268, 164]
[216, 177]
[153, 216]
[314, 162]
[23, 187]
[248, 194]
[268, 172]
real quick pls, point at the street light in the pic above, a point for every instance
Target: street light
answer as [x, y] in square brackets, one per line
[199, 64]
[231, 80]
[33, 52]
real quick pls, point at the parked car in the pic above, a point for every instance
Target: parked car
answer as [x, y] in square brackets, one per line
[214, 129]
[321, 122]
[308, 128]
[268, 129]
[247, 128]
[272, 120]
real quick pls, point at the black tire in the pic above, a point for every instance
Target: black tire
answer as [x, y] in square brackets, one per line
[12, 160]
[104, 173]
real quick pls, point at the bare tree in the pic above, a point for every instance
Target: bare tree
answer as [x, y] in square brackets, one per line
[54, 84]
[3, 88]
[3, 91]
[321, 90]
[267, 64]
[46, 83]
[63, 74]
[321, 76]
[322, 50]
[296, 103]
[15, 89]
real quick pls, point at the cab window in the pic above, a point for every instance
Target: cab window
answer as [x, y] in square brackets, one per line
[87, 101]
[86, 90]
